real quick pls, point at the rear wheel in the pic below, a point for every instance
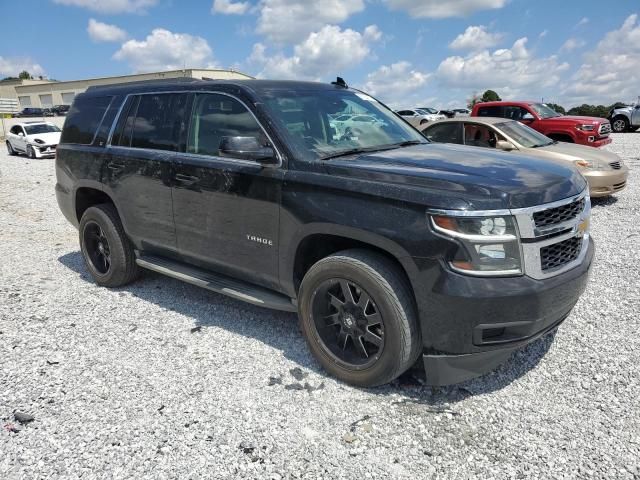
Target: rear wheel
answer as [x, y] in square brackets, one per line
[107, 251]
[10, 149]
[620, 124]
[358, 317]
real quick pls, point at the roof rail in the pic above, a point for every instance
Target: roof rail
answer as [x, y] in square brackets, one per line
[154, 81]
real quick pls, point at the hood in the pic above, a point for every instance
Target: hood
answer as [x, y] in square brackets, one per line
[572, 152]
[459, 177]
[579, 119]
[51, 138]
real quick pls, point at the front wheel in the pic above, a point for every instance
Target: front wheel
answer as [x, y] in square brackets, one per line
[358, 317]
[30, 152]
[620, 124]
[106, 249]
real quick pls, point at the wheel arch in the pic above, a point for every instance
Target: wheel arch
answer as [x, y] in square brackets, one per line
[561, 136]
[87, 196]
[320, 241]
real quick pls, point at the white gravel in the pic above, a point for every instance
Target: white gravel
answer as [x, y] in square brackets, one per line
[120, 386]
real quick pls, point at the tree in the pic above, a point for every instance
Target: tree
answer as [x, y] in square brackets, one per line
[24, 75]
[557, 108]
[490, 96]
[593, 110]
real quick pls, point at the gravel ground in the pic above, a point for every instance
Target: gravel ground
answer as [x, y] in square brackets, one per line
[165, 380]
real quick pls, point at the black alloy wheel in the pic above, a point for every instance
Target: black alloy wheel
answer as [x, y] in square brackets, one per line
[97, 247]
[349, 324]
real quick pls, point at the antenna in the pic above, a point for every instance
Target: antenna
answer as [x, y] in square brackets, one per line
[340, 83]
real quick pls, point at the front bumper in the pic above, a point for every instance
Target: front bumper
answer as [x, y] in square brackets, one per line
[482, 321]
[606, 182]
[597, 141]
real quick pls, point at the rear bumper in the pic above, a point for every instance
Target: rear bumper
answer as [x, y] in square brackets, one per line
[606, 182]
[483, 321]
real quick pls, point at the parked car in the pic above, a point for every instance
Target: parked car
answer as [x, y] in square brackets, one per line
[447, 113]
[462, 112]
[591, 131]
[625, 119]
[390, 248]
[36, 139]
[605, 171]
[356, 124]
[60, 109]
[419, 116]
[29, 112]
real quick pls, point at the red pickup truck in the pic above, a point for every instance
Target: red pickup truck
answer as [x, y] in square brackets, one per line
[590, 131]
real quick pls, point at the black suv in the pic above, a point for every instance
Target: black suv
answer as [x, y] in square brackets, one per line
[390, 248]
[30, 112]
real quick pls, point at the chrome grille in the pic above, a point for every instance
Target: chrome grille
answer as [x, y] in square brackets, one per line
[560, 214]
[559, 254]
[605, 129]
[615, 165]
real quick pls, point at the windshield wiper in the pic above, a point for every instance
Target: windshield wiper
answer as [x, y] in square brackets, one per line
[379, 148]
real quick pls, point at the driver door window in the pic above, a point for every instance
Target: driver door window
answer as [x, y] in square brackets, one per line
[217, 116]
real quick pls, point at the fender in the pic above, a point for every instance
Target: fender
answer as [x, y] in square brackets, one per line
[287, 258]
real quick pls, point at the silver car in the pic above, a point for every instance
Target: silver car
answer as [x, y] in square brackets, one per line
[625, 119]
[419, 117]
[605, 171]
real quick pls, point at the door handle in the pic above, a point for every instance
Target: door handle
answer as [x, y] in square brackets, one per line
[186, 179]
[115, 166]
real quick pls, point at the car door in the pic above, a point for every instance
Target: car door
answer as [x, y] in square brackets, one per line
[19, 138]
[226, 209]
[444, 132]
[138, 167]
[635, 116]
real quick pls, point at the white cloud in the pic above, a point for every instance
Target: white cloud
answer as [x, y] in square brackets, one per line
[11, 67]
[396, 84]
[514, 71]
[228, 7]
[475, 37]
[572, 44]
[111, 6]
[165, 50]
[582, 22]
[324, 53]
[543, 33]
[611, 71]
[444, 9]
[103, 32]
[290, 21]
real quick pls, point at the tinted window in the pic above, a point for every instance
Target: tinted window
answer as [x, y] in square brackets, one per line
[41, 128]
[490, 112]
[217, 116]
[159, 120]
[450, 132]
[83, 119]
[515, 113]
[16, 129]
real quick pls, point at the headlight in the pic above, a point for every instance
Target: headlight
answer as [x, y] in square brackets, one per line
[586, 128]
[37, 140]
[490, 244]
[586, 165]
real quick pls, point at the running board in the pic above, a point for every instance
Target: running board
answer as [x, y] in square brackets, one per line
[218, 283]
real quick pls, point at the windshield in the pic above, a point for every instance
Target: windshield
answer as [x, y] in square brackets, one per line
[41, 128]
[544, 111]
[429, 111]
[305, 116]
[524, 135]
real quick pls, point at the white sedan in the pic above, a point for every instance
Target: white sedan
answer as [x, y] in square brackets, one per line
[36, 139]
[419, 117]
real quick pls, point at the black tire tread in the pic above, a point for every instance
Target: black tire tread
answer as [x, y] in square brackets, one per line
[395, 286]
[130, 269]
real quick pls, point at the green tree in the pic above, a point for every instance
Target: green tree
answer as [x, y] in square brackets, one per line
[24, 75]
[490, 96]
[557, 108]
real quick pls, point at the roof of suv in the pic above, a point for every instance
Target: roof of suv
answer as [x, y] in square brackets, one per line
[191, 83]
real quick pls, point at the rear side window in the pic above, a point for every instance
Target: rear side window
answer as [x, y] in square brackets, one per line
[154, 121]
[490, 112]
[83, 119]
[450, 132]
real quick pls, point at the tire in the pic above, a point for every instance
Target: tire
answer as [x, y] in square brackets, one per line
[10, 149]
[620, 124]
[102, 236]
[388, 317]
[30, 153]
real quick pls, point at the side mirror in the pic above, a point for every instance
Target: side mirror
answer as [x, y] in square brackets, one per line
[20, 134]
[247, 148]
[505, 145]
[527, 117]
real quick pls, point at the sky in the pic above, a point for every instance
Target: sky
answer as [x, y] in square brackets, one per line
[408, 53]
